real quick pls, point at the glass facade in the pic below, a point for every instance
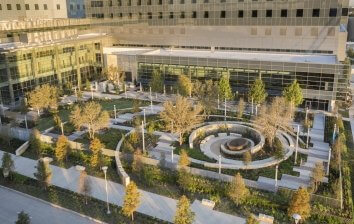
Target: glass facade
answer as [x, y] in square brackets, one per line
[63, 64]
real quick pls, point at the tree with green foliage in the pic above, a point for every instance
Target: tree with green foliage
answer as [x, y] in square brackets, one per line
[96, 159]
[183, 159]
[90, 115]
[251, 219]
[225, 90]
[240, 108]
[43, 174]
[62, 148]
[137, 165]
[23, 218]
[35, 142]
[300, 204]
[131, 200]
[293, 93]
[157, 82]
[337, 148]
[184, 85]
[278, 149]
[184, 214]
[43, 97]
[7, 165]
[88, 85]
[207, 94]
[237, 190]
[257, 92]
[181, 116]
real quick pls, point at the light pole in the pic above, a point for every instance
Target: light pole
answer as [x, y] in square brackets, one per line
[252, 105]
[62, 128]
[142, 132]
[225, 110]
[144, 116]
[334, 133]
[172, 155]
[115, 113]
[105, 178]
[296, 217]
[219, 164]
[276, 175]
[26, 122]
[297, 143]
[164, 90]
[141, 87]
[218, 102]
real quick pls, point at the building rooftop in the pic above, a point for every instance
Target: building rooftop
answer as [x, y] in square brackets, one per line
[232, 55]
[250, 56]
[19, 45]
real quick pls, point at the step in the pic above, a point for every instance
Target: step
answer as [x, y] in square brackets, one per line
[318, 152]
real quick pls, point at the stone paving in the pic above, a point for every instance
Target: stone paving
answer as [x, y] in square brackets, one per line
[151, 204]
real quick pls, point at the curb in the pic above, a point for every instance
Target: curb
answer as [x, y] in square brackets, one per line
[53, 205]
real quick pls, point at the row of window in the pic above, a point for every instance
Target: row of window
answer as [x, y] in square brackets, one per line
[27, 7]
[78, 7]
[161, 2]
[224, 14]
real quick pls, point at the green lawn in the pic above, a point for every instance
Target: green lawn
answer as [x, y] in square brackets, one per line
[120, 104]
[11, 145]
[47, 122]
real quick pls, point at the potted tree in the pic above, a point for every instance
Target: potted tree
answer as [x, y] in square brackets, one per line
[7, 164]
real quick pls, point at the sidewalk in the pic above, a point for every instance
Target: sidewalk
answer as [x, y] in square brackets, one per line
[152, 204]
[40, 211]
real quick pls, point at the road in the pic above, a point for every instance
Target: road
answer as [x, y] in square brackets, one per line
[12, 202]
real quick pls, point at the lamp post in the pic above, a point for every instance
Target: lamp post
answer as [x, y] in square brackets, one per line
[62, 128]
[252, 106]
[172, 155]
[219, 164]
[225, 110]
[142, 132]
[297, 143]
[125, 91]
[164, 90]
[334, 133]
[141, 87]
[276, 175]
[218, 102]
[26, 122]
[308, 136]
[105, 178]
[150, 92]
[115, 113]
[297, 218]
[144, 116]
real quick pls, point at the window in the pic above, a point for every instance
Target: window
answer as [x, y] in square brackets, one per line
[139, 2]
[315, 12]
[269, 13]
[171, 15]
[160, 2]
[171, 2]
[223, 14]
[45, 6]
[58, 6]
[97, 4]
[71, 7]
[299, 12]
[284, 13]
[149, 15]
[254, 13]
[206, 14]
[78, 7]
[332, 12]
[140, 15]
[183, 15]
[160, 15]
[18, 6]
[149, 2]
[119, 3]
[181, 2]
[8, 6]
[222, 1]
[194, 1]
[240, 13]
[344, 11]
[206, 1]
[194, 14]
[36, 6]
[0, 7]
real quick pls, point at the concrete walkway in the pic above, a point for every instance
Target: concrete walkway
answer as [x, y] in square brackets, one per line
[152, 204]
[40, 212]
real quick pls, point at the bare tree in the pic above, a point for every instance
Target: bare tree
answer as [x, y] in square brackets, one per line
[90, 115]
[181, 116]
[277, 115]
[84, 185]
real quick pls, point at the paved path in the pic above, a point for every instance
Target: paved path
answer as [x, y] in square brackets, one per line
[151, 204]
[40, 212]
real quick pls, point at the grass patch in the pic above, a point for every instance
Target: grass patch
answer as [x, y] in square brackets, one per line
[11, 145]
